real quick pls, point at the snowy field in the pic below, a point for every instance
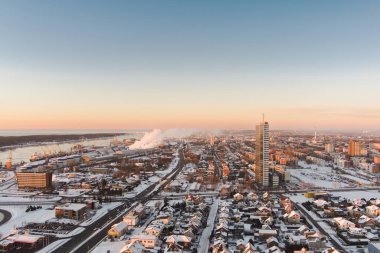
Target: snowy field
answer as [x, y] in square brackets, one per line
[317, 176]
[108, 246]
[354, 194]
[358, 194]
[324, 177]
[20, 217]
[357, 179]
[33, 200]
[6, 175]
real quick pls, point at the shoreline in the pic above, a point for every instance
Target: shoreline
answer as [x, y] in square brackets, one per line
[12, 142]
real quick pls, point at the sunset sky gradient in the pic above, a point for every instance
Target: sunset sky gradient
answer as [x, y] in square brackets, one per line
[197, 64]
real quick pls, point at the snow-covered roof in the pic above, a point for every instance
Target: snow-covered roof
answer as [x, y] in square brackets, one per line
[119, 227]
[320, 202]
[142, 236]
[178, 238]
[30, 239]
[135, 247]
[72, 206]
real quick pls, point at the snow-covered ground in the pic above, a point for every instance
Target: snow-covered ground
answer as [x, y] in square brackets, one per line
[76, 231]
[109, 246]
[116, 245]
[73, 192]
[20, 217]
[13, 191]
[357, 179]
[6, 175]
[154, 204]
[170, 168]
[53, 246]
[33, 200]
[153, 179]
[101, 212]
[317, 176]
[368, 194]
[140, 188]
[205, 237]
[353, 194]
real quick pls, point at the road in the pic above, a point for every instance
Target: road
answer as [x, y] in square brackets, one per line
[311, 220]
[7, 184]
[183, 194]
[205, 238]
[96, 232]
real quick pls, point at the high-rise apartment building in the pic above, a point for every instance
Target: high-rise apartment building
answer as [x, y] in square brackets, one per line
[34, 180]
[354, 148]
[329, 147]
[262, 154]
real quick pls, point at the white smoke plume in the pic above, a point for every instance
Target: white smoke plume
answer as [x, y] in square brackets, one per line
[157, 136]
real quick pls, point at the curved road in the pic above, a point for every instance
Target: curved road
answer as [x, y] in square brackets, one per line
[95, 232]
[5, 216]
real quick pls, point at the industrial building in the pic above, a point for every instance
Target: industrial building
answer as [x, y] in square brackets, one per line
[34, 180]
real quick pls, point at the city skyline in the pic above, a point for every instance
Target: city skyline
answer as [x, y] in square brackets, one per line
[190, 126]
[148, 64]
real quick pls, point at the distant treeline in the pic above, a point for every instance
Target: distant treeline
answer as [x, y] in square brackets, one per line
[36, 139]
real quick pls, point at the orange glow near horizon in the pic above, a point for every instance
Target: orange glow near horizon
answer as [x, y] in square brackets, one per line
[170, 118]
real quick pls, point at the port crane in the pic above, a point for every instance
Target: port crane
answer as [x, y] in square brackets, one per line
[8, 164]
[59, 148]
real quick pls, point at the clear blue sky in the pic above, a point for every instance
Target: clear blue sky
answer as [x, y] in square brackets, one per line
[220, 64]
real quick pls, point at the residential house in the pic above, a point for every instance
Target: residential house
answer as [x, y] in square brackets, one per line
[316, 241]
[238, 197]
[343, 224]
[320, 203]
[294, 217]
[297, 239]
[155, 228]
[273, 249]
[373, 210]
[272, 241]
[252, 196]
[133, 247]
[131, 219]
[354, 211]
[73, 211]
[249, 249]
[365, 221]
[357, 232]
[118, 230]
[330, 250]
[148, 241]
[182, 240]
[266, 233]
[173, 248]
[165, 217]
